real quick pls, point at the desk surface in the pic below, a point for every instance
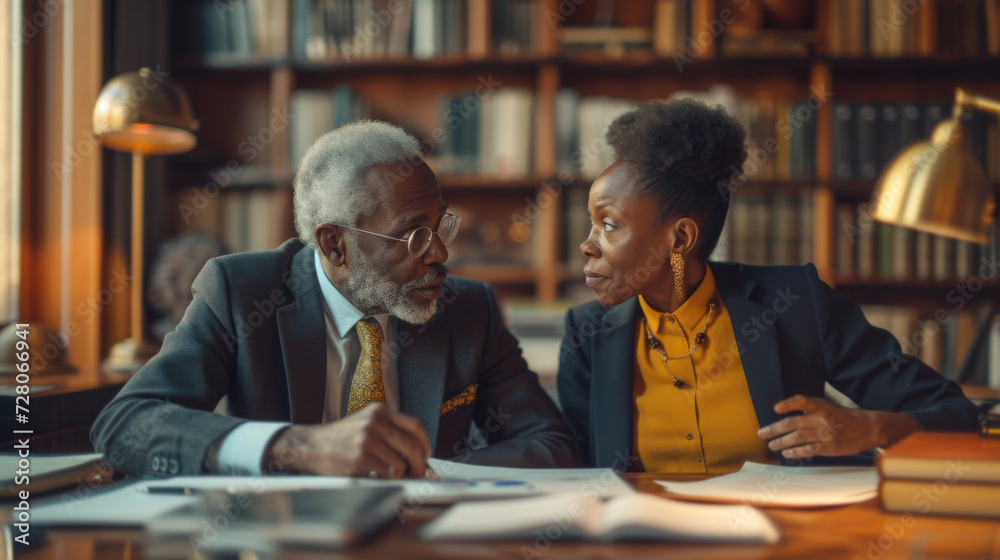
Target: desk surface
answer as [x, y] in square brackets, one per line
[860, 531]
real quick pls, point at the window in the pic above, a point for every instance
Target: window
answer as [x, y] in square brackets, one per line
[11, 71]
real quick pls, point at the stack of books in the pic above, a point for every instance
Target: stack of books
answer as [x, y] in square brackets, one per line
[942, 474]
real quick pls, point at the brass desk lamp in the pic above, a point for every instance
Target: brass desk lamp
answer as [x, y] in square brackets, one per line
[937, 186]
[143, 113]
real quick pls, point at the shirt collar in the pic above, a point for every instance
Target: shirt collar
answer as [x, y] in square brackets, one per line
[341, 311]
[690, 313]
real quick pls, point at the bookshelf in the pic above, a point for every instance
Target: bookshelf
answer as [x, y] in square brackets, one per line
[541, 48]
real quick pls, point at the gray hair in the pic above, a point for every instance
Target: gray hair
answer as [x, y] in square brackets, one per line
[328, 187]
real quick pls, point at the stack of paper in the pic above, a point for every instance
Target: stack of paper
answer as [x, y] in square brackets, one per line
[137, 501]
[771, 485]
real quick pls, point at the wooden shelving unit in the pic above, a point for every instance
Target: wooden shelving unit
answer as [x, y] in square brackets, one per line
[235, 98]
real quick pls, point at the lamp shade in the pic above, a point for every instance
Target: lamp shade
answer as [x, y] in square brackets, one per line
[937, 187]
[144, 112]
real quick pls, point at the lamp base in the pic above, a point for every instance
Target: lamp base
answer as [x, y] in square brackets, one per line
[129, 355]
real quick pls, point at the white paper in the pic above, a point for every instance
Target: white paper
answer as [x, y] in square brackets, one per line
[116, 505]
[635, 516]
[772, 485]
[513, 518]
[463, 471]
[604, 483]
[131, 504]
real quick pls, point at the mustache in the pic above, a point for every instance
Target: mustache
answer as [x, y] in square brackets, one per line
[440, 271]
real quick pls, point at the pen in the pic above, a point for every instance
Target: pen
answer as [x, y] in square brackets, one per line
[176, 490]
[430, 474]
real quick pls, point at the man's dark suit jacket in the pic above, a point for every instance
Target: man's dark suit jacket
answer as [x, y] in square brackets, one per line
[793, 334]
[254, 337]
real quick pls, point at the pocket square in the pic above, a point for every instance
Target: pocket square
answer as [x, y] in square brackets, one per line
[465, 397]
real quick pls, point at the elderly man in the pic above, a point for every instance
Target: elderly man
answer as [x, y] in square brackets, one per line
[345, 352]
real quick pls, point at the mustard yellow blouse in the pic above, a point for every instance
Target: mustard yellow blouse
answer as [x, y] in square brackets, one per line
[709, 426]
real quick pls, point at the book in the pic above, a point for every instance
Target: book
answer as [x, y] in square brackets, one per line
[49, 472]
[890, 141]
[865, 264]
[940, 498]
[666, 40]
[843, 121]
[425, 18]
[866, 146]
[933, 455]
[576, 516]
[993, 379]
[892, 28]
[847, 238]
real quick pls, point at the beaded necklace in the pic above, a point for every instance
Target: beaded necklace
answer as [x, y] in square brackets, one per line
[699, 339]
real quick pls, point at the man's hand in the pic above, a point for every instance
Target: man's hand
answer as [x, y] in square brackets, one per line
[375, 439]
[825, 428]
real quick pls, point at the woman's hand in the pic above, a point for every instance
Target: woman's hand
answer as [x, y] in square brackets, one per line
[825, 428]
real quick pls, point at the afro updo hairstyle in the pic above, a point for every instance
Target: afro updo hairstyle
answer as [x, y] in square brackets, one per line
[687, 153]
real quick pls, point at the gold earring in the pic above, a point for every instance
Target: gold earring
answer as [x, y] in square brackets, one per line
[677, 264]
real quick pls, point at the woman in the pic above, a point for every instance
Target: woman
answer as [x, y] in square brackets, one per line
[686, 365]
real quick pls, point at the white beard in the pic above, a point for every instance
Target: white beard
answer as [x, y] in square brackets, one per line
[373, 293]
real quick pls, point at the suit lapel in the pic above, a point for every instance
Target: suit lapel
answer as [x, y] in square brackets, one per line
[421, 369]
[756, 338]
[303, 342]
[611, 405]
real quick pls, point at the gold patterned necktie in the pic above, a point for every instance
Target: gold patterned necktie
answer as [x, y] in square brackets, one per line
[366, 385]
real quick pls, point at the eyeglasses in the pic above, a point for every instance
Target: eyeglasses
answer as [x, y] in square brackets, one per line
[419, 240]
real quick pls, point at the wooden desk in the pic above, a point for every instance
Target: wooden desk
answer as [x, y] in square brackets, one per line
[979, 392]
[859, 531]
[61, 415]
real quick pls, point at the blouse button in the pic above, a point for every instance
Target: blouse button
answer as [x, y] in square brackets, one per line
[689, 436]
[671, 319]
